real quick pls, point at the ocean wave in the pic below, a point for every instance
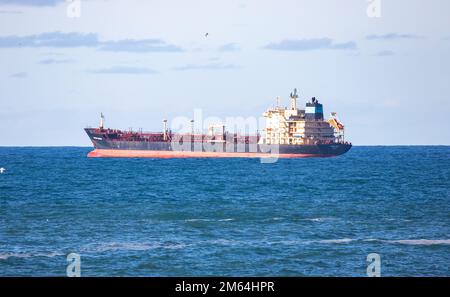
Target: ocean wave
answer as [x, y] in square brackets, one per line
[290, 242]
[174, 246]
[411, 241]
[98, 248]
[117, 246]
[6, 256]
[229, 242]
[197, 220]
[271, 219]
[307, 242]
[209, 220]
[319, 219]
[371, 239]
[130, 246]
[399, 220]
[420, 241]
[341, 240]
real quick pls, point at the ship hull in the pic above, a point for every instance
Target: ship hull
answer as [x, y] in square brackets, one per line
[112, 153]
[166, 149]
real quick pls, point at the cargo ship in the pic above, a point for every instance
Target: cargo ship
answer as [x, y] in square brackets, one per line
[290, 132]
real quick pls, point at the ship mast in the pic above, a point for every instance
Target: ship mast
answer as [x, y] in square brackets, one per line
[102, 121]
[294, 97]
[165, 129]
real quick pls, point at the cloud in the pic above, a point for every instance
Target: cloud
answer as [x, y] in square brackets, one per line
[124, 70]
[391, 36]
[10, 12]
[55, 61]
[31, 2]
[385, 53]
[211, 66]
[73, 39]
[52, 54]
[50, 39]
[139, 46]
[309, 44]
[229, 47]
[19, 75]
[344, 45]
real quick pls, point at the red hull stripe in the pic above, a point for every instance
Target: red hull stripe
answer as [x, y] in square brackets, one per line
[99, 153]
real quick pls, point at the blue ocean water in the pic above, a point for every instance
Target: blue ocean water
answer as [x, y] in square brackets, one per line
[201, 217]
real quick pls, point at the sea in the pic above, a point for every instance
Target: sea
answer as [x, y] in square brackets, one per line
[226, 217]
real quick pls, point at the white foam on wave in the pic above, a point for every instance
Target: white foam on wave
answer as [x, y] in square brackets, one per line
[396, 219]
[326, 241]
[420, 241]
[290, 242]
[117, 246]
[272, 219]
[130, 246]
[174, 246]
[197, 220]
[341, 240]
[97, 248]
[371, 239]
[411, 241]
[209, 220]
[320, 219]
[6, 256]
[223, 241]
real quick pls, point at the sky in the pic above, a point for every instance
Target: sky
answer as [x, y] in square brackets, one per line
[382, 65]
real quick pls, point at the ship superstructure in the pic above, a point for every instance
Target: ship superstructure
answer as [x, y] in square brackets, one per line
[301, 126]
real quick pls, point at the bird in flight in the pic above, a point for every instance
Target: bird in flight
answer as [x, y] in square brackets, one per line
[2, 170]
[206, 35]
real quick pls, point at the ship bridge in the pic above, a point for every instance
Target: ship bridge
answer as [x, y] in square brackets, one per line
[300, 126]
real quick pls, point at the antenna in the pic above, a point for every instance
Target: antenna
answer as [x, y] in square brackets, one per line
[192, 127]
[102, 121]
[294, 97]
[165, 129]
